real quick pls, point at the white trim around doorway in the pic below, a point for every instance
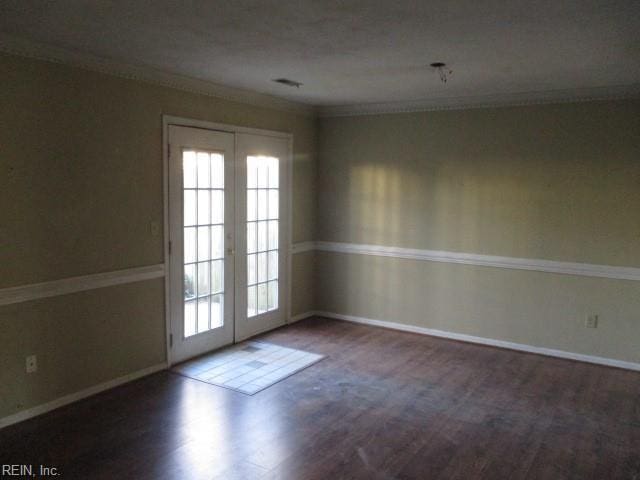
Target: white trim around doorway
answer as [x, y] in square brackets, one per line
[168, 120]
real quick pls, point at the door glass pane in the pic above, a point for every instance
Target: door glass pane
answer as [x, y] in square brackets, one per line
[251, 237]
[217, 242]
[252, 173]
[204, 250]
[262, 204]
[262, 267]
[189, 245]
[274, 177]
[217, 206]
[251, 269]
[262, 234]
[272, 270]
[251, 301]
[203, 196]
[217, 276]
[189, 169]
[217, 311]
[273, 295]
[263, 181]
[204, 279]
[203, 314]
[204, 170]
[217, 170]
[189, 281]
[252, 205]
[204, 207]
[189, 318]
[189, 207]
[262, 298]
[273, 204]
[273, 235]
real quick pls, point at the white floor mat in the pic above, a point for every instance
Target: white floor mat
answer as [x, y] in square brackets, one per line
[248, 367]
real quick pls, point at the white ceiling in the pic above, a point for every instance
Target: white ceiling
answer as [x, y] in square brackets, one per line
[350, 51]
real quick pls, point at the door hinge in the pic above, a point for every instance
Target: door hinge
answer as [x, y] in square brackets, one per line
[171, 340]
[168, 150]
[170, 247]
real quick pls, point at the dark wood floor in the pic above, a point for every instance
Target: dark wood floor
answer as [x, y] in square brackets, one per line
[383, 405]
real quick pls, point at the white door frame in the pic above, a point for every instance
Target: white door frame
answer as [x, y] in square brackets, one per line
[287, 171]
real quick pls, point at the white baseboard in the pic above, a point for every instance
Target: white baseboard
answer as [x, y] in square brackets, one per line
[301, 316]
[610, 362]
[74, 397]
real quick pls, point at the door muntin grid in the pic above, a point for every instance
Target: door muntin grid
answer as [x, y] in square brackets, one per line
[203, 229]
[263, 222]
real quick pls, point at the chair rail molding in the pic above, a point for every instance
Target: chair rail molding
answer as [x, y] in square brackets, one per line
[302, 247]
[538, 265]
[53, 288]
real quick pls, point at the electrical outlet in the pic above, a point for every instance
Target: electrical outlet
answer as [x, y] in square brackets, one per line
[591, 321]
[32, 364]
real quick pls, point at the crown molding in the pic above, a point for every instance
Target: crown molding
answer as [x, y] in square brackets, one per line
[25, 48]
[618, 92]
[12, 45]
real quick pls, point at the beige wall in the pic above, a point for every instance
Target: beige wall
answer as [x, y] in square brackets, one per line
[555, 182]
[82, 167]
[81, 340]
[558, 182]
[532, 308]
[81, 181]
[80, 184]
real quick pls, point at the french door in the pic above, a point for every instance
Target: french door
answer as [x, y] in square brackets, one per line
[228, 214]
[261, 233]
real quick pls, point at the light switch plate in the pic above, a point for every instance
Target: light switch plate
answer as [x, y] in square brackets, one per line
[155, 228]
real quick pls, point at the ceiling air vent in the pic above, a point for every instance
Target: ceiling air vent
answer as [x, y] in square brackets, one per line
[287, 82]
[443, 71]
